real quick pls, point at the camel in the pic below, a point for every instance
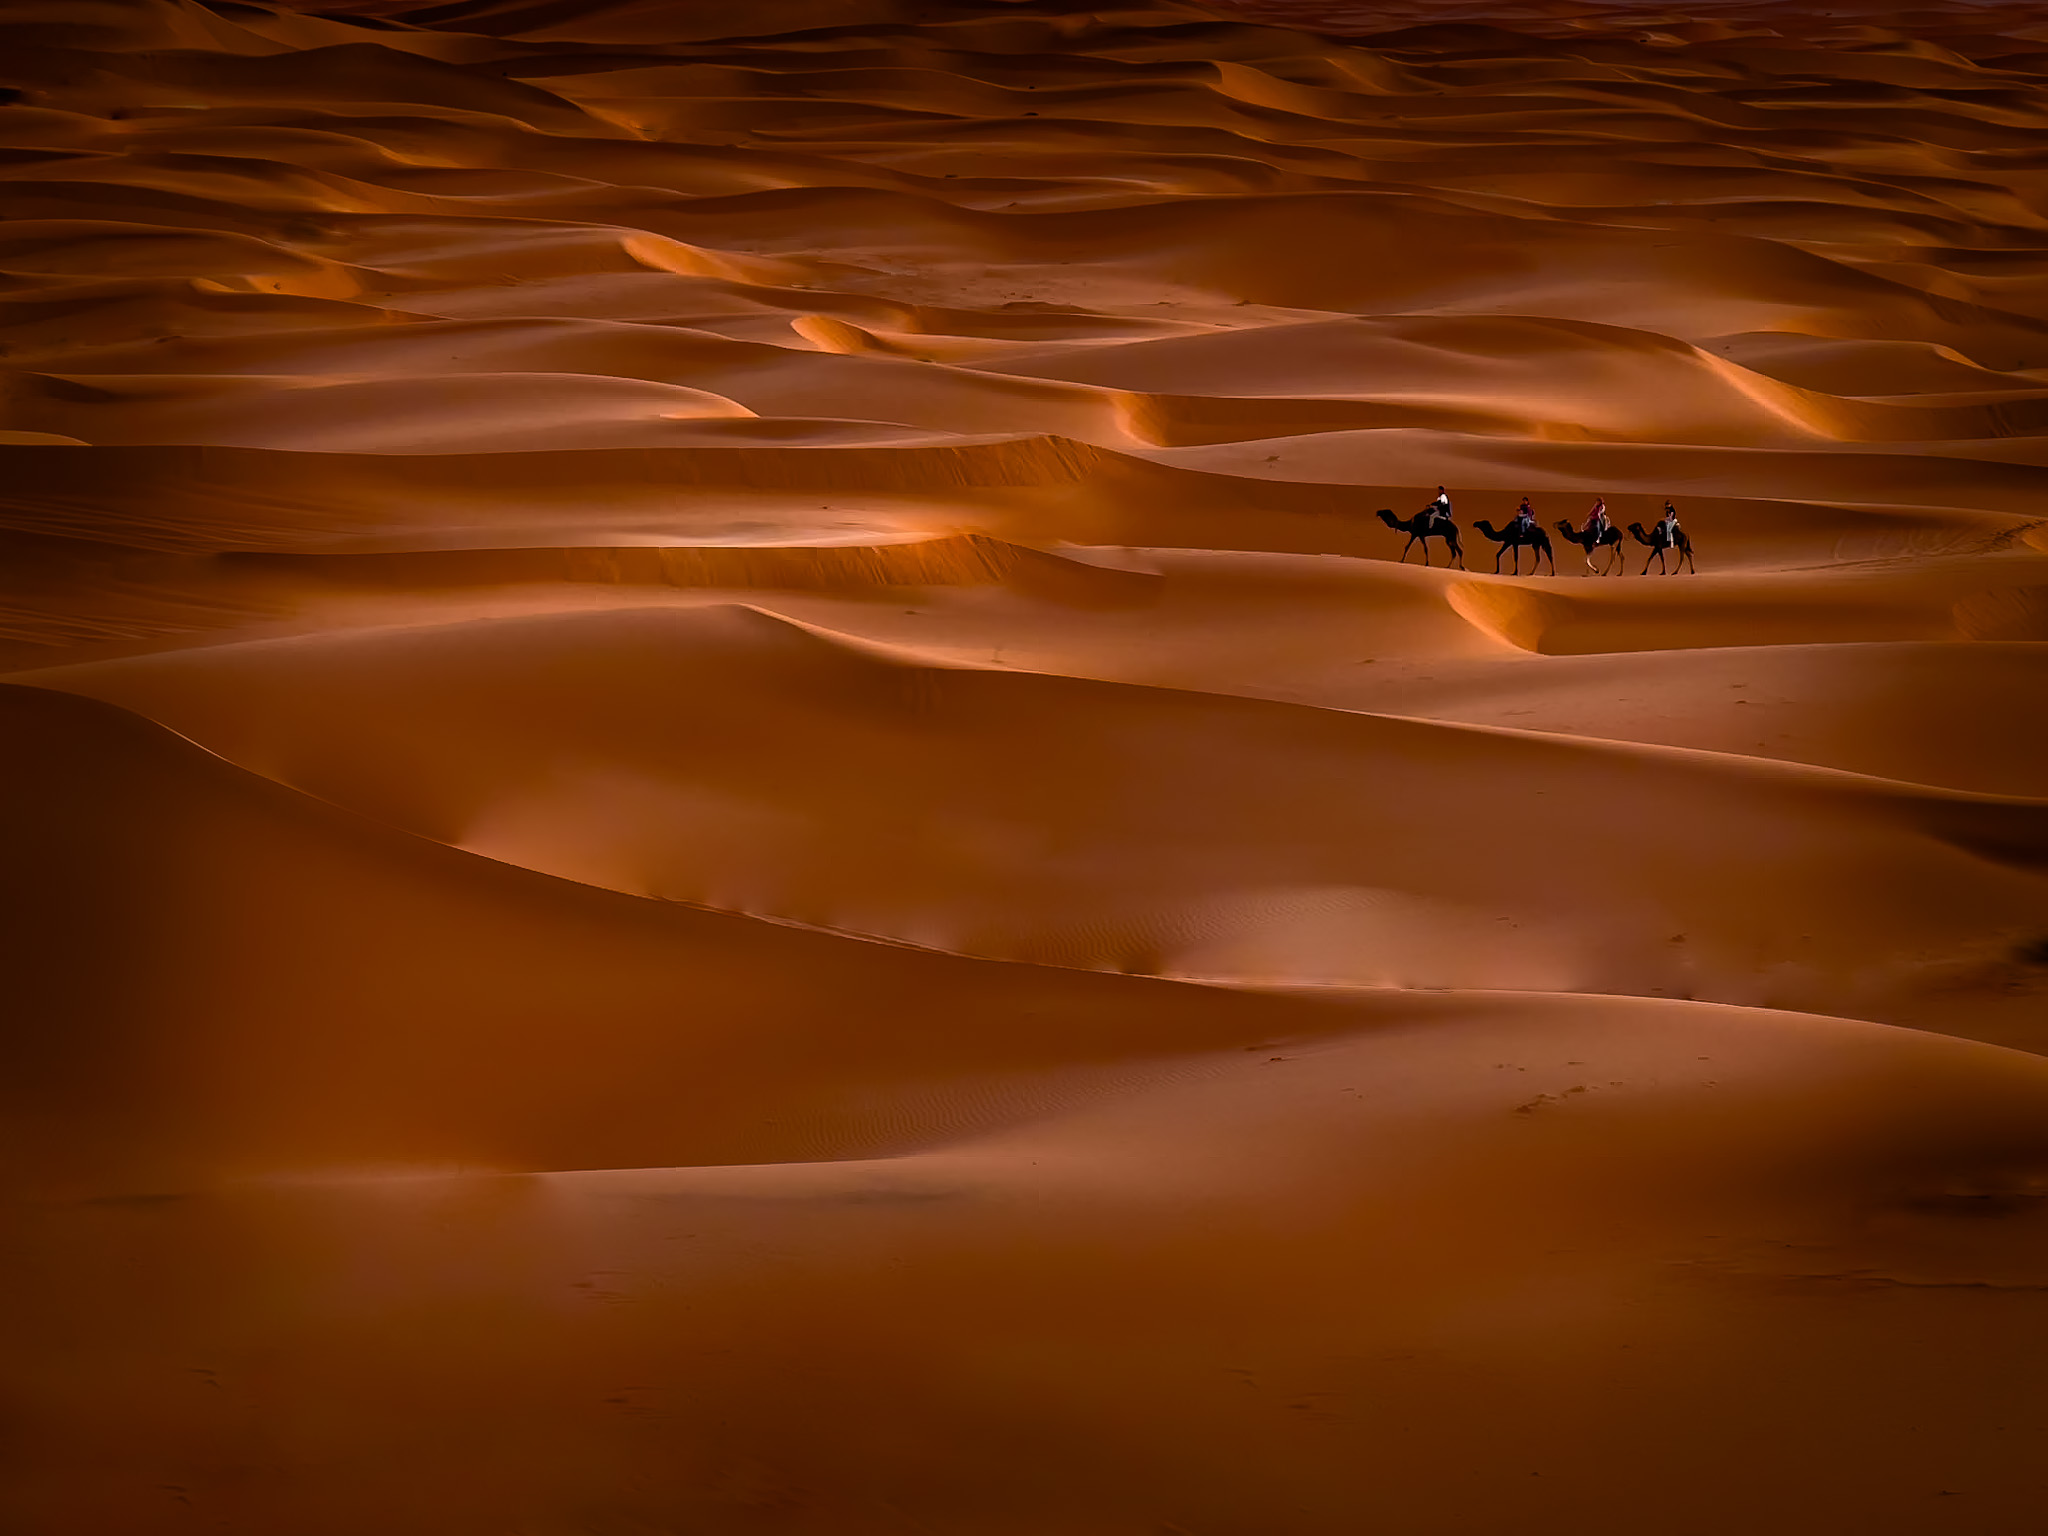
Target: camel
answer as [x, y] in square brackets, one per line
[1514, 536]
[1608, 537]
[1660, 541]
[1425, 525]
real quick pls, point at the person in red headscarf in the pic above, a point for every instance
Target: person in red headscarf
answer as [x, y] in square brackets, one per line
[1596, 520]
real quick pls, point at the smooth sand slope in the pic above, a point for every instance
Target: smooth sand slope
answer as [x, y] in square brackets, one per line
[724, 757]
[721, 813]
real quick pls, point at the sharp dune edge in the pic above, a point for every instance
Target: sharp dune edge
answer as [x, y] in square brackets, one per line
[721, 813]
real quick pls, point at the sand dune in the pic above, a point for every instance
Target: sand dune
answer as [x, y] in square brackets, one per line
[1543, 1229]
[723, 813]
[236, 904]
[719, 757]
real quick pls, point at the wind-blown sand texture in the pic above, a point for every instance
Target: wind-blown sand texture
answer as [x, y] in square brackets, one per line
[723, 816]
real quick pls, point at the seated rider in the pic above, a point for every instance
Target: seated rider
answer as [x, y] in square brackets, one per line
[1525, 516]
[1441, 507]
[1596, 520]
[1668, 524]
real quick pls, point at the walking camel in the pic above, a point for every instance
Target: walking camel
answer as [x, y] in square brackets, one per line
[1423, 526]
[1609, 537]
[1515, 536]
[1667, 535]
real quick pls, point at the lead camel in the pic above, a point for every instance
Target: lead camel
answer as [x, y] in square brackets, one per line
[1423, 526]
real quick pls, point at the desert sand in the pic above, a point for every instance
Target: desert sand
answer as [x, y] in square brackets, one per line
[722, 813]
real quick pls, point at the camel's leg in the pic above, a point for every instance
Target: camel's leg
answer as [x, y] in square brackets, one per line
[1425, 549]
[1646, 561]
[1405, 548]
[1688, 560]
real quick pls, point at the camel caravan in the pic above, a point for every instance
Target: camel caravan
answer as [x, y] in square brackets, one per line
[1597, 536]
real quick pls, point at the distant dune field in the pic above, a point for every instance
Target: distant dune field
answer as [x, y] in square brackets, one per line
[724, 814]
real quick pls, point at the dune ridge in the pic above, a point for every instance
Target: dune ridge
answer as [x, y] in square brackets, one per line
[723, 813]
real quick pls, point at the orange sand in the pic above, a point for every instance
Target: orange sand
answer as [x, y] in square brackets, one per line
[722, 816]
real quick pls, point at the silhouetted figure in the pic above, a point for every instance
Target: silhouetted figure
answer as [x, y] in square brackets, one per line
[1521, 533]
[1666, 536]
[1425, 525]
[1608, 538]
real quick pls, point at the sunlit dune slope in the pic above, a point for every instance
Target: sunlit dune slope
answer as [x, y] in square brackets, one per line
[404, 969]
[719, 756]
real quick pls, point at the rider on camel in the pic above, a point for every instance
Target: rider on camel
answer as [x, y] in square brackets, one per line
[1441, 507]
[1668, 524]
[1596, 520]
[1525, 515]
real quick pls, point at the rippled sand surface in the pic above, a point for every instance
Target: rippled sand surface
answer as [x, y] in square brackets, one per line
[722, 813]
